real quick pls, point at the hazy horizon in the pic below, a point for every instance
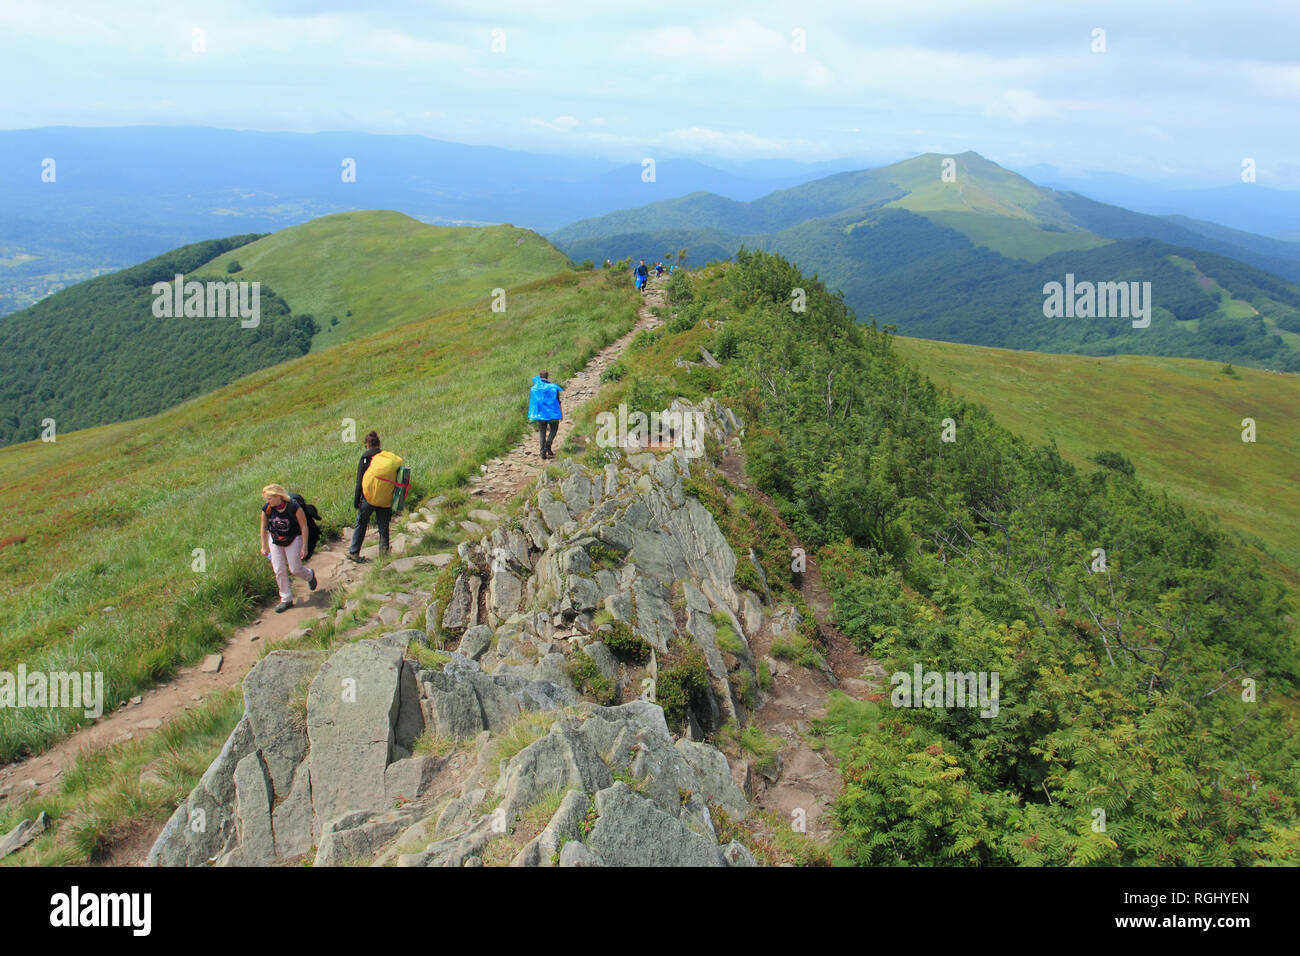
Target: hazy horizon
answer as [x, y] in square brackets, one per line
[1018, 84]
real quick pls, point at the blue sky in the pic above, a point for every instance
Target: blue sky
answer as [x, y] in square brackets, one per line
[1183, 92]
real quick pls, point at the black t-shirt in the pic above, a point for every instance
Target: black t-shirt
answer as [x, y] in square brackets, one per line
[283, 524]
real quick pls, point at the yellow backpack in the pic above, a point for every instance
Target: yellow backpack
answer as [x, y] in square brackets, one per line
[380, 479]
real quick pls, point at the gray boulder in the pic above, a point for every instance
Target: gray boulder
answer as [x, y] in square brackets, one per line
[352, 710]
[714, 775]
[203, 827]
[269, 692]
[475, 641]
[23, 834]
[256, 843]
[293, 822]
[632, 831]
[355, 837]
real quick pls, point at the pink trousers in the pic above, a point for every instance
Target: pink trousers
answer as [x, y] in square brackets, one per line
[285, 560]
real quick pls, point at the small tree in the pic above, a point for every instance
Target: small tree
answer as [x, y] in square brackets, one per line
[681, 257]
[233, 266]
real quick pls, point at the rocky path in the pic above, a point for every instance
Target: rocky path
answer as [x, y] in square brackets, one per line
[808, 781]
[501, 478]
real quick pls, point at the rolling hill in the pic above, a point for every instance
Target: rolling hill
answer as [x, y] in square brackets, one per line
[97, 353]
[377, 269]
[965, 258]
[1177, 420]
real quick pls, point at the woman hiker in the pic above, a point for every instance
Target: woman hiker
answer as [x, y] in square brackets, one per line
[284, 523]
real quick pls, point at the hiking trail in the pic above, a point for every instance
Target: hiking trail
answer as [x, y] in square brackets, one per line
[805, 779]
[501, 478]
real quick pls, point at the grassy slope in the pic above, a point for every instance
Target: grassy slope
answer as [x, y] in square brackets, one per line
[387, 268]
[1178, 420]
[111, 514]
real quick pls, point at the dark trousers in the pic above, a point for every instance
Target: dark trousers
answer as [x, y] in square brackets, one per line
[382, 516]
[546, 432]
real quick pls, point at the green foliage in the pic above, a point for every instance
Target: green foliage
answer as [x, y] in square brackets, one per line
[683, 680]
[603, 557]
[613, 372]
[625, 644]
[679, 288]
[1115, 461]
[428, 657]
[140, 364]
[683, 321]
[233, 266]
[586, 676]
[644, 339]
[728, 640]
[1119, 691]
[797, 649]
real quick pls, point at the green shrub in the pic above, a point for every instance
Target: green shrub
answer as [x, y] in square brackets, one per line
[625, 644]
[683, 680]
[644, 339]
[1115, 461]
[797, 649]
[586, 676]
[728, 640]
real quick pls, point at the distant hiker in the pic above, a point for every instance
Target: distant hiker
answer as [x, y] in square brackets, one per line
[284, 523]
[377, 479]
[659, 268]
[544, 408]
[642, 276]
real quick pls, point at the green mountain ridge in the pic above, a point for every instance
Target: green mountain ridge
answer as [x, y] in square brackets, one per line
[964, 257]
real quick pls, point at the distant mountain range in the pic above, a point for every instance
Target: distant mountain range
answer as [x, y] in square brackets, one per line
[1249, 207]
[121, 195]
[965, 257]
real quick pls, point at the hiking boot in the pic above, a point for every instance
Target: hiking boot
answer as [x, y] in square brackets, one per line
[283, 606]
[311, 582]
[355, 558]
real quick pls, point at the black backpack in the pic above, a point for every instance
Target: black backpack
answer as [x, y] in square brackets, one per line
[313, 516]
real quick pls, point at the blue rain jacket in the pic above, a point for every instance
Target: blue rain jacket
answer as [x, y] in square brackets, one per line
[544, 401]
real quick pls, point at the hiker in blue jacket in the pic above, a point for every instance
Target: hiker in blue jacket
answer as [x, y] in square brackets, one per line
[544, 408]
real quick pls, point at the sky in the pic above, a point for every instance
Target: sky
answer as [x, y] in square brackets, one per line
[1176, 92]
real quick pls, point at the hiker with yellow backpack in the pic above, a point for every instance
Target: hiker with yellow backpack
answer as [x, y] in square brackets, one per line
[382, 484]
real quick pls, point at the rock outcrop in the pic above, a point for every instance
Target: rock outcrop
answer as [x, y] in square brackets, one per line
[381, 751]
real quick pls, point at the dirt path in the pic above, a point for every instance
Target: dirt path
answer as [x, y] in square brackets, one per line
[191, 685]
[501, 478]
[808, 781]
